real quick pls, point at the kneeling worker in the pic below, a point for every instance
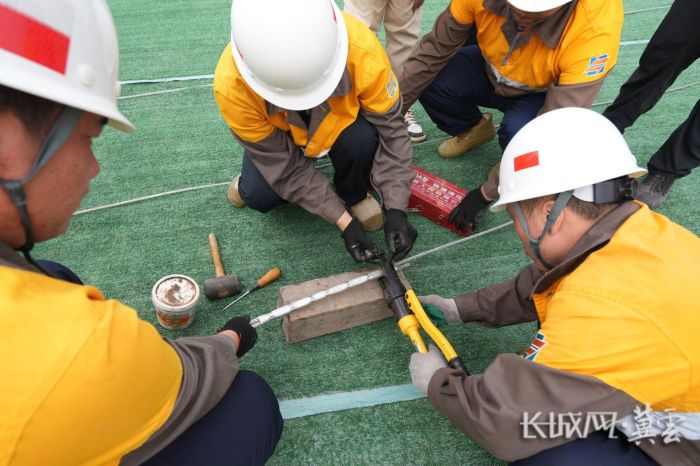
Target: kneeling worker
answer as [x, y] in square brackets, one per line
[84, 380]
[612, 374]
[300, 80]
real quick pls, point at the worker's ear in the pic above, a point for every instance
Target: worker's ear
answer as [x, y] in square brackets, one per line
[545, 210]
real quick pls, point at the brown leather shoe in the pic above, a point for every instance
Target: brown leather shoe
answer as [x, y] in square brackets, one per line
[369, 213]
[234, 197]
[462, 143]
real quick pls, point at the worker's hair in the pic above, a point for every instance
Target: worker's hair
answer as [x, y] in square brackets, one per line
[586, 210]
[35, 113]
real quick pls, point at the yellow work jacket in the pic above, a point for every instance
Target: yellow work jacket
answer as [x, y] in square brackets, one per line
[374, 88]
[83, 380]
[629, 315]
[587, 49]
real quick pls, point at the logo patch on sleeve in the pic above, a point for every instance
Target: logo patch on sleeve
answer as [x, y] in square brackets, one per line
[391, 86]
[536, 346]
[596, 65]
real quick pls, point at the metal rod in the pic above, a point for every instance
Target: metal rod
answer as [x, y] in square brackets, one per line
[303, 302]
[236, 300]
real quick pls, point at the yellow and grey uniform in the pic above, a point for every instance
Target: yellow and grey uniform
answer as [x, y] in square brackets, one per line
[567, 55]
[619, 328]
[85, 381]
[282, 146]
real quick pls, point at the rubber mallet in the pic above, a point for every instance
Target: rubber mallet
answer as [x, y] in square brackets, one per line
[223, 285]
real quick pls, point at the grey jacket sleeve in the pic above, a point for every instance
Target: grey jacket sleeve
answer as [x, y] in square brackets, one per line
[434, 51]
[391, 169]
[491, 407]
[293, 176]
[501, 304]
[209, 365]
[571, 95]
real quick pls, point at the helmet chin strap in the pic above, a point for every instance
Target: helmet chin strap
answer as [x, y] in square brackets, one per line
[559, 205]
[59, 133]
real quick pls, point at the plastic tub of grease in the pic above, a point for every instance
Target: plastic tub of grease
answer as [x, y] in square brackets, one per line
[175, 298]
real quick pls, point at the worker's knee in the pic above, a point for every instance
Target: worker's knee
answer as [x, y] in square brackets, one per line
[252, 387]
[521, 113]
[358, 141]
[262, 200]
[261, 416]
[243, 428]
[256, 193]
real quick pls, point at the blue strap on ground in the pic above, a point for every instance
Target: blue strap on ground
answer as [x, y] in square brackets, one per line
[332, 402]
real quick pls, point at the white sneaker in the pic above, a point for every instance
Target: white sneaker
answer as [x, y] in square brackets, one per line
[414, 128]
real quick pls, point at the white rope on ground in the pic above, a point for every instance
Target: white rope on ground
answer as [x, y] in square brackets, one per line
[452, 243]
[632, 12]
[320, 166]
[673, 89]
[596, 104]
[634, 42]
[152, 196]
[168, 80]
[167, 91]
[211, 76]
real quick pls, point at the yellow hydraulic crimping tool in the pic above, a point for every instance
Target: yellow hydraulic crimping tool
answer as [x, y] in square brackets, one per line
[411, 316]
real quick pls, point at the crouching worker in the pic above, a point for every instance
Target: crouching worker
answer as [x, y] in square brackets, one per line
[612, 375]
[300, 80]
[84, 380]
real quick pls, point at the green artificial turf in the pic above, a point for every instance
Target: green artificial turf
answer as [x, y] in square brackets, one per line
[182, 141]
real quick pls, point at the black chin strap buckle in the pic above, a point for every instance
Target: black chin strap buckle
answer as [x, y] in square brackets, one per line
[15, 191]
[616, 190]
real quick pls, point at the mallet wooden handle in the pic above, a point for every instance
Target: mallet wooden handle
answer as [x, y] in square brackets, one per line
[215, 256]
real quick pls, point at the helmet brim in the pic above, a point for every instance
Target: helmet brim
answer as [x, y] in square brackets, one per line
[41, 85]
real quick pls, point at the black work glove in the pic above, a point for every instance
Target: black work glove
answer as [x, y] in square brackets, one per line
[358, 244]
[399, 234]
[468, 211]
[246, 333]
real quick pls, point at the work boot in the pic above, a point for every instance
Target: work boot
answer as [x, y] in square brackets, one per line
[369, 213]
[458, 145]
[654, 189]
[234, 197]
[415, 131]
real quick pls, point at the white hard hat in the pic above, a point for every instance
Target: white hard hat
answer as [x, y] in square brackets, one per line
[536, 6]
[65, 51]
[562, 150]
[292, 53]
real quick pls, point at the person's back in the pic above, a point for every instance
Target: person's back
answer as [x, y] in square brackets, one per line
[530, 57]
[611, 376]
[558, 55]
[84, 380]
[627, 312]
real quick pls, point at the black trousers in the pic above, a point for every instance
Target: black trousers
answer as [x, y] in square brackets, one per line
[674, 46]
[242, 429]
[596, 449]
[352, 156]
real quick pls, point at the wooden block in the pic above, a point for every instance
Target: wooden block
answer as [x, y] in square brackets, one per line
[353, 307]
